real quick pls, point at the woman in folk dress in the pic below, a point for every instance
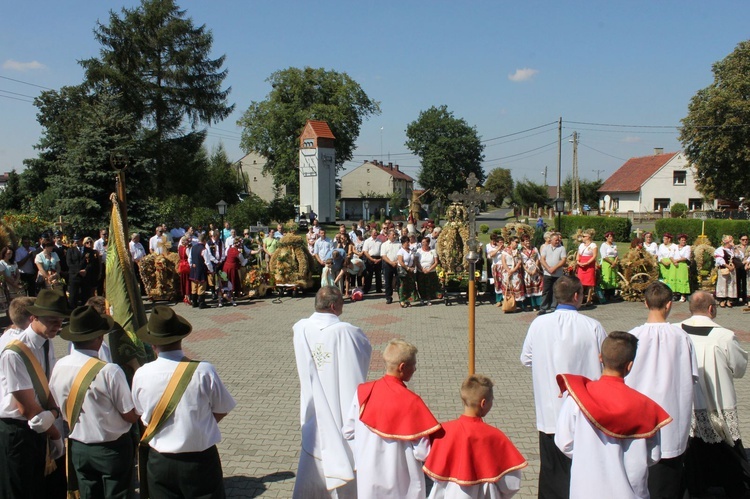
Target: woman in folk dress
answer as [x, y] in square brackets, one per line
[681, 273]
[726, 287]
[532, 274]
[494, 251]
[664, 256]
[586, 265]
[609, 262]
[512, 272]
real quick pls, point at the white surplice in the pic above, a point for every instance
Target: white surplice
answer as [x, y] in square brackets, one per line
[665, 370]
[603, 466]
[505, 488]
[721, 360]
[386, 468]
[564, 342]
[333, 358]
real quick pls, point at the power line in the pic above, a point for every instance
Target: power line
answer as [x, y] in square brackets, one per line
[524, 152]
[601, 152]
[522, 131]
[16, 98]
[25, 83]
[520, 138]
[14, 93]
[622, 131]
[223, 130]
[620, 126]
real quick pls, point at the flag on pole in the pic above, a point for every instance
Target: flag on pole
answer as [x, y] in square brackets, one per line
[124, 298]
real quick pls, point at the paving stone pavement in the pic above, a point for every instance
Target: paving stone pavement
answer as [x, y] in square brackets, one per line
[251, 346]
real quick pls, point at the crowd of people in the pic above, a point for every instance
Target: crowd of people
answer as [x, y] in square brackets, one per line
[90, 401]
[647, 413]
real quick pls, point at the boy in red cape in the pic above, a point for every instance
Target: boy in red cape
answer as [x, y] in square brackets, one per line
[611, 431]
[390, 426]
[470, 458]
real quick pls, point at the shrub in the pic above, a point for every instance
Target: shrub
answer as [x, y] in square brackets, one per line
[714, 229]
[620, 226]
[484, 228]
[678, 210]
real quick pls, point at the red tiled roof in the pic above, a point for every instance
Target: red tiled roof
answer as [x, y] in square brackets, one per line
[320, 129]
[398, 174]
[634, 173]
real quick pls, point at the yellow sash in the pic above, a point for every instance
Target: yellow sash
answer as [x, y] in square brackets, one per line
[78, 390]
[36, 372]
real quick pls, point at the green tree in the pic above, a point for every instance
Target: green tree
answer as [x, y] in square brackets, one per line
[527, 194]
[589, 190]
[11, 198]
[715, 132]
[500, 183]
[158, 64]
[221, 182]
[272, 126]
[449, 148]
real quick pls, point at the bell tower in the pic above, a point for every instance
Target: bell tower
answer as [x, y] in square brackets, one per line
[317, 170]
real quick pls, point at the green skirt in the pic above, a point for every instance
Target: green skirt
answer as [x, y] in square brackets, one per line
[407, 290]
[680, 278]
[610, 278]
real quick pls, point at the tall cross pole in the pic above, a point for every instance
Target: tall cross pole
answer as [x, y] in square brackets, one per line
[472, 199]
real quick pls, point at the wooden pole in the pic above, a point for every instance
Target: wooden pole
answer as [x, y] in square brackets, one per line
[120, 182]
[472, 313]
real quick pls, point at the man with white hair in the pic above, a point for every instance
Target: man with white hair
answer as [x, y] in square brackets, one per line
[333, 358]
[715, 453]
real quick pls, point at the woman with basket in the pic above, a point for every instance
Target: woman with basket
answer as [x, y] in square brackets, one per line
[726, 279]
[586, 265]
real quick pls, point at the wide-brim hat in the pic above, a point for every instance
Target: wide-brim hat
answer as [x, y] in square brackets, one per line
[86, 324]
[164, 327]
[49, 303]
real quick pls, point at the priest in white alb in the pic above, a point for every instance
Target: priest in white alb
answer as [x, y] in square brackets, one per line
[333, 358]
[715, 455]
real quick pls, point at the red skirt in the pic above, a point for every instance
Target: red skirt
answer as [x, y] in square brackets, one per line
[586, 271]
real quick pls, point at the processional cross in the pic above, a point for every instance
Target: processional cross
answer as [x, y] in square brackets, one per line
[471, 199]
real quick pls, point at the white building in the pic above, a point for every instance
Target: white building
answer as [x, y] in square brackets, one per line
[317, 171]
[251, 176]
[652, 184]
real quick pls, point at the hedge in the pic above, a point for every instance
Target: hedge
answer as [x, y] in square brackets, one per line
[620, 226]
[714, 229]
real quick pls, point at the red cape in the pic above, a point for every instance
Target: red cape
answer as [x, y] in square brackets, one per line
[468, 451]
[613, 407]
[393, 411]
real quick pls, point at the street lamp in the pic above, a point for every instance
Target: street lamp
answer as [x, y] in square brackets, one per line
[559, 208]
[222, 207]
[366, 206]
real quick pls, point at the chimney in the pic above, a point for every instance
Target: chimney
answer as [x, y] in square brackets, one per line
[397, 168]
[390, 165]
[658, 150]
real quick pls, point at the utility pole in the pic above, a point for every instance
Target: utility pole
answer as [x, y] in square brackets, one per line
[559, 156]
[576, 187]
[545, 176]
[597, 173]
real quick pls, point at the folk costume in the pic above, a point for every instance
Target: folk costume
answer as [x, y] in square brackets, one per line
[494, 254]
[183, 268]
[235, 260]
[611, 432]
[665, 370]
[532, 276]
[652, 249]
[586, 270]
[469, 458]
[681, 270]
[609, 274]
[183, 460]
[101, 448]
[390, 426]
[512, 283]
[23, 451]
[726, 279]
[664, 256]
[333, 358]
[198, 257]
[715, 452]
[564, 341]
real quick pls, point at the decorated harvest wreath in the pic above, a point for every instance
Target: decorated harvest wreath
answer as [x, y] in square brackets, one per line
[516, 229]
[703, 256]
[638, 269]
[160, 277]
[291, 263]
[453, 243]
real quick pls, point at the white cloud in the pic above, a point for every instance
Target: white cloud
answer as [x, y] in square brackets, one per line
[523, 74]
[22, 66]
[631, 140]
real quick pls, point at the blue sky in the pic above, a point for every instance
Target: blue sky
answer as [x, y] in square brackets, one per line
[504, 67]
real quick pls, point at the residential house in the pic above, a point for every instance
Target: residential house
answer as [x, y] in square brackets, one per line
[652, 184]
[250, 174]
[366, 190]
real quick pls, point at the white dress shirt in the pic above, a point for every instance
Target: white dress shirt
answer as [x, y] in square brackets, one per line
[192, 427]
[108, 396]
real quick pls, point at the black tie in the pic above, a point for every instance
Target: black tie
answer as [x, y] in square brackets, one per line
[46, 358]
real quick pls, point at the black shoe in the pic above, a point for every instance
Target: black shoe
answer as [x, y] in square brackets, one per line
[541, 312]
[388, 301]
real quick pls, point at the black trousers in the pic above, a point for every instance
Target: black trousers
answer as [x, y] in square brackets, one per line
[666, 479]
[30, 281]
[390, 276]
[195, 475]
[548, 300]
[722, 465]
[22, 457]
[80, 291]
[741, 282]
[554, 471]
[104, 470]
[373, 270]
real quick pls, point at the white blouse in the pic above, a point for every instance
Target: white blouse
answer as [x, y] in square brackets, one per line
[682, 253]
[651, 249]
[608, 251]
